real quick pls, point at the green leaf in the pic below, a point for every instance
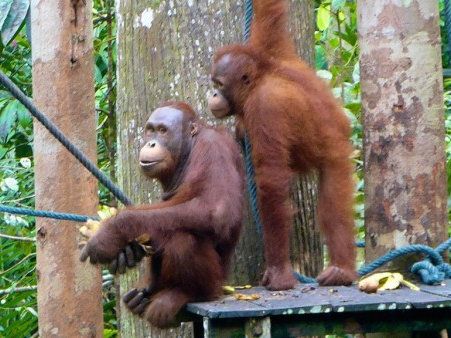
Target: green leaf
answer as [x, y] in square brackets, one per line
[4, 94]
[7, 118]
[5, 6]
[3, 151]
[323, 17]
[23, 116]
[337, 5]
[108, 333]
[334, 42]
[14, 20]
[320, 56]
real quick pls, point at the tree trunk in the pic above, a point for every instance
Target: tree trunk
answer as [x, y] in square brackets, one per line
[164, 52]
[402, 96]
[69, 292]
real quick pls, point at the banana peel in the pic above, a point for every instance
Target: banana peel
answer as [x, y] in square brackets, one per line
[231, 290]
[228, 289]
[384, 281]
[241, 296]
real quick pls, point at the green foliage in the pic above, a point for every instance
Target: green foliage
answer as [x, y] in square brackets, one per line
[337, 61]
[12, 15]
[17, 258]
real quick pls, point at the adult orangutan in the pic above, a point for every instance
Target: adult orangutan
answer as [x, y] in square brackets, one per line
[193, 231]
[295, 125]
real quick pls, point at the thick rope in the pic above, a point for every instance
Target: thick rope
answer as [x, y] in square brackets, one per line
[56, 132]
[248, 14]
[46, 214]
[246, 145]
[447, 14]
[432, 270]
[250, 183]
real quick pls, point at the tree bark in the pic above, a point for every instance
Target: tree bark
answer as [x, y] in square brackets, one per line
[69, 292]
[164, 52]
[402, 97]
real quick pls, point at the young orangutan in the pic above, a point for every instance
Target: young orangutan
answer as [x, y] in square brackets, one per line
[294, 125]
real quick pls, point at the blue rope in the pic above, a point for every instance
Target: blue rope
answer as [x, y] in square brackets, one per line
[432, 270]
[250, 183]
[447, 14]
[246, 145]
[56, 132]
[248, 14]
[46, 214]
[360, 244]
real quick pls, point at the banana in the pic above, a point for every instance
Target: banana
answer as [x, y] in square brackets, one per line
[384, 281]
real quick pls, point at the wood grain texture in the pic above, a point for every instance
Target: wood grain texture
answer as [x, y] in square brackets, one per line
[69, 292]
[404, 142]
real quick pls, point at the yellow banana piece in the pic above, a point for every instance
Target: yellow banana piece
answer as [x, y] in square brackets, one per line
[228, 290]
[410, 285]
[370, 284]
[384, 281]
[392, 282]
[240, 296]
[92, 226]
[242, 287]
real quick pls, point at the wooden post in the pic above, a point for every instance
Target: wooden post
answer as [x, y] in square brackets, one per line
[402, 96]
[69, 292]
[258, 328]
[164, 52]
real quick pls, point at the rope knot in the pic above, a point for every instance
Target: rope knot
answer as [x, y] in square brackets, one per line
[431, 274]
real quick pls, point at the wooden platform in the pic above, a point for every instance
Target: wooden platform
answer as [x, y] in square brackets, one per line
[312, 310]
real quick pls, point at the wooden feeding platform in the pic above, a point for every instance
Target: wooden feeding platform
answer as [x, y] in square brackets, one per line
[312, 310]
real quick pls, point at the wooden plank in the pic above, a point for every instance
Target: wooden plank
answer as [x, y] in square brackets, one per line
[297, 301]
[351, 299]
[227, 307]
[442, 290]
[311, 299]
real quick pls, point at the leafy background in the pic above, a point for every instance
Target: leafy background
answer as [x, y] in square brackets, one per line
[337, 52]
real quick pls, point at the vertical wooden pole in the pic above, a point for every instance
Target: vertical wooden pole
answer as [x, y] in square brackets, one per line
[69, 292]
[402, 96]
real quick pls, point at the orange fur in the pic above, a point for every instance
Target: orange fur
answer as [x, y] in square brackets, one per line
[295, 125]
[193, 231]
